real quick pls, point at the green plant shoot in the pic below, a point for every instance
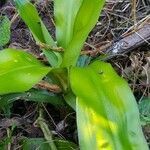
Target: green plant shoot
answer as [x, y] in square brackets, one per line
[107, 113]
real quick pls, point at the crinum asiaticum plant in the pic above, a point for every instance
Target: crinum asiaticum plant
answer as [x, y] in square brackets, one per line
[107, 113]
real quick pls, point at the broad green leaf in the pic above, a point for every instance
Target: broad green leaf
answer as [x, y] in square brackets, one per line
[4, 30]
[29, 14]
[74, 20]
[41, 144]
[19, 71]
[107, 113]
[65, 14]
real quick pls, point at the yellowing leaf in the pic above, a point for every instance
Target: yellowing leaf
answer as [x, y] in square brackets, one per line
[107, 113]
[19, 71]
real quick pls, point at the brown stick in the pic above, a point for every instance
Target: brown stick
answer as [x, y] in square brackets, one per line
[136, 36]
[50, 87]
[130, 41]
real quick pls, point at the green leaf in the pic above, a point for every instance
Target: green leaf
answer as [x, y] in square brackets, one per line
[19, 71]
[65, 145]
[144, 108]
[65, 12]
[4, 30]
[107, 113]
[70, 98]
[41, 144]
[74, 20]
[29, 14]
[34, 95]
[40, 96]
[83, 60]
[4, 142]
[35, 143]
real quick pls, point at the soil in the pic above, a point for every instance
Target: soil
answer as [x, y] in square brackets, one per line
[116, 18]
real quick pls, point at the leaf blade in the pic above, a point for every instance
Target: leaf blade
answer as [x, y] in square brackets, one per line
[74, 21]
[64, 21]
[19, 71]
[105, 109]
[29, 14]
